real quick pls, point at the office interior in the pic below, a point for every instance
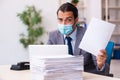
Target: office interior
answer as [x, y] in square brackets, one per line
[12, 51]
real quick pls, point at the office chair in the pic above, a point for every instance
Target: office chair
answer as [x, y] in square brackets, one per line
[109, 51]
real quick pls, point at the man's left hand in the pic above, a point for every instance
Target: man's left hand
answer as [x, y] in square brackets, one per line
[101, 58]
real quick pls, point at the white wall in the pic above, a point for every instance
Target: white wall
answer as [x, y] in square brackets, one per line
[93, 9]
[11, 50]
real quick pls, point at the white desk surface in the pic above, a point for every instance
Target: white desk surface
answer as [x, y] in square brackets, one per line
[7, 74]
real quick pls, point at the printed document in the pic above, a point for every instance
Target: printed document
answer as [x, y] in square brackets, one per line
[96, 36]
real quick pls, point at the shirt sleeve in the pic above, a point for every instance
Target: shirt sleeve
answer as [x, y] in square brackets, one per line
[103, 67]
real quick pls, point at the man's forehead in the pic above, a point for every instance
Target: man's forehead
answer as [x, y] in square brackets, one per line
[68, 14]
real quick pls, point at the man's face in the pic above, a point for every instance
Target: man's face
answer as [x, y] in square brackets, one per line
[66, 18]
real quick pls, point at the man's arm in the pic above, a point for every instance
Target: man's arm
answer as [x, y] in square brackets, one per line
[91, 64]
[101, 58]
[102, 67]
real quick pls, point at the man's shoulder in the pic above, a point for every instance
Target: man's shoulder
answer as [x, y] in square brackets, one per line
[54, 32]
[80, 30]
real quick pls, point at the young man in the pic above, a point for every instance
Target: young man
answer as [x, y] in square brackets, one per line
[67, 16]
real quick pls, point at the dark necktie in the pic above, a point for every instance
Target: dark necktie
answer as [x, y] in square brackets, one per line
[69, 39]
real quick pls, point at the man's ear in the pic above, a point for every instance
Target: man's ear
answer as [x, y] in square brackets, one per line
[76, 20]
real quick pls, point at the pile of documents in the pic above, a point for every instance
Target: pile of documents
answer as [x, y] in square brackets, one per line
[66, 68]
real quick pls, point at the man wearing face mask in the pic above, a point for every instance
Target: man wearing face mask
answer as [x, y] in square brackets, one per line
[68, 31]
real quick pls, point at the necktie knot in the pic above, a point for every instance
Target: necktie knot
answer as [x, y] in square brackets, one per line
[69, 39]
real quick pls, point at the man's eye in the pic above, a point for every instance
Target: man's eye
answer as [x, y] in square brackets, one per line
[69, 20]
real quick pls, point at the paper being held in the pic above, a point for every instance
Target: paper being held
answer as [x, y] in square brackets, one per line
[96, 36]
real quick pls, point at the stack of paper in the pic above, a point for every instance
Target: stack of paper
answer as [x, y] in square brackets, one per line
[66, 68]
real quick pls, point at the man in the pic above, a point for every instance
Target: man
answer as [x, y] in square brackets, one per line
[67, 16]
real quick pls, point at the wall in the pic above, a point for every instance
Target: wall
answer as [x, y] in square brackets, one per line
[11, 50]
[93, 9]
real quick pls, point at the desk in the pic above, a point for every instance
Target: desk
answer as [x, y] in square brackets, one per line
[7, 74]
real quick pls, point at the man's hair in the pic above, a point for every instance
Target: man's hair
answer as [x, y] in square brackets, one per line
[68, 7]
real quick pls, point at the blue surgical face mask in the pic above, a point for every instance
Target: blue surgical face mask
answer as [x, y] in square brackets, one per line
[65, 29]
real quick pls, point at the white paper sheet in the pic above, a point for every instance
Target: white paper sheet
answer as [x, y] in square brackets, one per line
[96, 36]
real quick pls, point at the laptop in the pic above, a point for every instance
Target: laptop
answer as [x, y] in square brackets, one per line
[47, 51]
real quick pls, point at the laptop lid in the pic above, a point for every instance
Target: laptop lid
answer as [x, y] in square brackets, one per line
[48, 51]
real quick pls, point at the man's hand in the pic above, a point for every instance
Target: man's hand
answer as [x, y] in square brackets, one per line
[101, 57]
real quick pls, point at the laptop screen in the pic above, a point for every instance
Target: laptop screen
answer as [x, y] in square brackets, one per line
[47, 51]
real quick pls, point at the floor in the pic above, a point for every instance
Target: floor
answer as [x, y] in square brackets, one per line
[115, 67]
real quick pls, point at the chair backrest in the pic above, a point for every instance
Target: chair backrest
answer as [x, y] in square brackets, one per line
[109, 51]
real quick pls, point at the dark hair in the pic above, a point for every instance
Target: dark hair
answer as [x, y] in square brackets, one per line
[68, 7]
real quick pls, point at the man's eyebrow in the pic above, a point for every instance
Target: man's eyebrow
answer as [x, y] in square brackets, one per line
[68, 17]
[59, 18]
